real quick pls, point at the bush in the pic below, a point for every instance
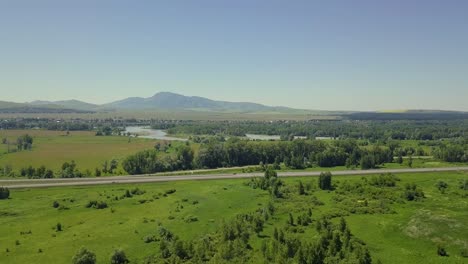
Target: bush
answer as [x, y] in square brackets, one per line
[441, 186]
[119, 257]
[55, 204]
[441, 251]
[96, 204]
[149, 239]
[137, 191]
[58, 227]
[191, 218]
[171, 191]
[4, 193]
[84, 256]
[412, 192]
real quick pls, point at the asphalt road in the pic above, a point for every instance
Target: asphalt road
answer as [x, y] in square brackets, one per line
[57, 182]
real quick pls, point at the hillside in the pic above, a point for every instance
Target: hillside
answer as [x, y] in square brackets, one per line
[167, 100]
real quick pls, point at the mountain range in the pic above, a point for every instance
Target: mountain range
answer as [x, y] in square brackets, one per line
[159, 101]
[166, 101]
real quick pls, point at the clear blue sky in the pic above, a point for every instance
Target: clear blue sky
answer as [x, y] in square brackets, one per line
[332, 55]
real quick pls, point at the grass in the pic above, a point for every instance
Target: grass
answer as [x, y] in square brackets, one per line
[410, 235]
[102, 230]
[53, 148]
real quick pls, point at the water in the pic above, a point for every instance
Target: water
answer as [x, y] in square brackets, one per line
[262, 137]
[143, 132]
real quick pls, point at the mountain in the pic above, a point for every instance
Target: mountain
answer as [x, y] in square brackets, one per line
[172, 101]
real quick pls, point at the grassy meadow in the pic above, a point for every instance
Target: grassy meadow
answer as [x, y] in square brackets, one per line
[408, 232]
[53, 148]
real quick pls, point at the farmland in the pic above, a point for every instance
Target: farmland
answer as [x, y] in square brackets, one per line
[400, 231]
[53, 148]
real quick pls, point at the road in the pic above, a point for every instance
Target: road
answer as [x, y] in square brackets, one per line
[57, 182]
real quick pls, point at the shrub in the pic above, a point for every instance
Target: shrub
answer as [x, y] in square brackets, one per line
[119, 257]
[171, 191]
[4, 193]
[165, 234]
[96, 204]
[149, 239]
[441, 251]
[58, 227]
[55, 204]
[84, 256]
[464, 252]
[441, 186]
[137, 191]
[412, 192]
[191, 218]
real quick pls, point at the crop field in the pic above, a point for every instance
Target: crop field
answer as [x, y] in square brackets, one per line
[53, 148]
[394, 229]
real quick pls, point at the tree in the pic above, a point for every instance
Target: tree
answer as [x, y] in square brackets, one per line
[291, 219]
[301, 188]
[119, 257]
[367, 162]
[84, 256]
[185, 157]
[324, 181]
[342, 226]
[270, 173]
[410, 161]
[113, 165]
[400, 158]
[24, 142]
[69, 170]
[4, 193]
[58, 227]
[105, 168]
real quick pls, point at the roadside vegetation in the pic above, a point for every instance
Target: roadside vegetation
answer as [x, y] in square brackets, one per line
[328, 219]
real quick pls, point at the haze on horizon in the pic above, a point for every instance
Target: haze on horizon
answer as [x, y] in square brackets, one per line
[328, 55]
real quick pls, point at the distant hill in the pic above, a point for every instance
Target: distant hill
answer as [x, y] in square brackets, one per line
[40, 107]
[409, 115]
[166, 100]
[71, 104]
[177, 103]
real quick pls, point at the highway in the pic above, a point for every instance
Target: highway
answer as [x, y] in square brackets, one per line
[58, 182]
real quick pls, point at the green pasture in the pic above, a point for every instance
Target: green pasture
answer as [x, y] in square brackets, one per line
[53, 148]
[408, 235]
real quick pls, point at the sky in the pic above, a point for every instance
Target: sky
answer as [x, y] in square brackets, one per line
[324, 55]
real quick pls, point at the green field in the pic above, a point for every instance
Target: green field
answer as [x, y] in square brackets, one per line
[53, 148]
[408, 233]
